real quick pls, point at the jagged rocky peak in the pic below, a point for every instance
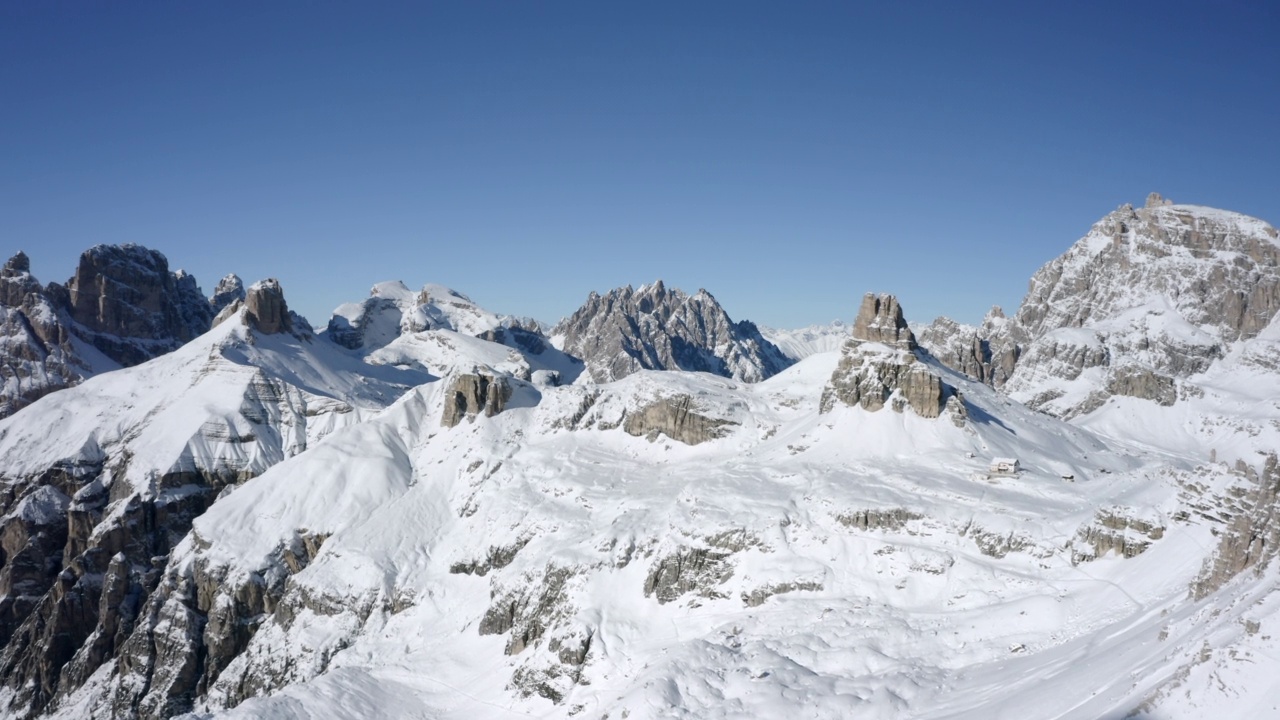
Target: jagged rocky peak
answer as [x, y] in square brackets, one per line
[881, 365]
[1219, 270]
[1155, 200]
[125, 302]
[36, 354]
[986, 352]
[880, 320]
[16, 281]
[17, 264]
[265, 308]
[128, 291]
[229, 291]
[659, 328]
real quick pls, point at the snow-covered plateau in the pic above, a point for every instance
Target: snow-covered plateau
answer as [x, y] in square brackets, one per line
[650, 510]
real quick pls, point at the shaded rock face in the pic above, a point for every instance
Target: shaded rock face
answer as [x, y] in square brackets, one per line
[229, 291]
[675, 418]
[656, 328]
[129, 306]
[122, 300]
[36, 353]
[265, 308]
[472, 394]
[85, 578]
[77, 585]
[879, 366]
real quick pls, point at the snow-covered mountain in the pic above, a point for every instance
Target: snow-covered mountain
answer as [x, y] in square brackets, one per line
[424, 512]
[102, 479]
[656, 328]
[440, 330]
[800, 343]
[1172, 305]
[122, 307]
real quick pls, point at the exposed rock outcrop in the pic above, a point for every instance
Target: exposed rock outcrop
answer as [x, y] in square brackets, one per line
[985, 353]
[123, 306]
[879, 365]
[1143, 383]
[265, 308]
[676, 418]
[37, 356]
[1156, 292]
[656, 328]
[127, 304]
[880, 320]
[229, 291]
[472, 394]
[1252, 537]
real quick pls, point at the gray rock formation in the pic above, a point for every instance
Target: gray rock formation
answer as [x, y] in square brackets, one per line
[265, 308]
[1252, 536]
[84, 545]
[879, 365]
[675, 418]
[36, 353]
[472, 394]
[229, 291]
[1143, 383]
[1160, 291]
[123, 306]
[880, 320]
[126, 303]
[985, 353]
[654, 328]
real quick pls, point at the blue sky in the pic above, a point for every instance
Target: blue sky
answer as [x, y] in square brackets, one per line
[788, 157]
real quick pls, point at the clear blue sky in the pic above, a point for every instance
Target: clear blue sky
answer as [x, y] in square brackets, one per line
[788, 157]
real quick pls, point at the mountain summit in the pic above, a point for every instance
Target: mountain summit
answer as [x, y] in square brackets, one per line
[656, 328]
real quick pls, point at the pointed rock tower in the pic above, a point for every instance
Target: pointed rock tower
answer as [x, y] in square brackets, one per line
[879, 366]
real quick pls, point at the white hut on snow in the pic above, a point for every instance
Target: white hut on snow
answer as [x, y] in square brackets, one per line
[1005, 466]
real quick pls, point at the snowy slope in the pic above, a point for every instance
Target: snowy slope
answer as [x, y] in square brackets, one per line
[430, 512]
[547, 562]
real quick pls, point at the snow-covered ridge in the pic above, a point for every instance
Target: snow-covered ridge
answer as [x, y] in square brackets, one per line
[657, 328]
[431, 510]
[800, 343]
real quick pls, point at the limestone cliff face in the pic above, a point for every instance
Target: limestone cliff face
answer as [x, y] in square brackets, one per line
[35, 340]
[229, 291]
[879, 366]
[265, 308]
[880, 320]
[1161, 291]
[472, 394]
[122, 307]
[128, 305]
[986, 352]
[677, 418]
[656, 328]
[1252, 536]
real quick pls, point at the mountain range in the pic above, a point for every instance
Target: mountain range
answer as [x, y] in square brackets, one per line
[210, 509]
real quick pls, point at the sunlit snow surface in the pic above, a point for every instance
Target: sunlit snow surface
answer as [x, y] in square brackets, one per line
[915, 621]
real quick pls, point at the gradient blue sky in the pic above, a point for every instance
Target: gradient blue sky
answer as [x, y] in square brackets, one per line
[788, 157]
